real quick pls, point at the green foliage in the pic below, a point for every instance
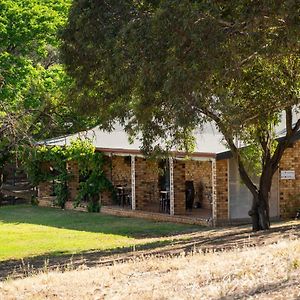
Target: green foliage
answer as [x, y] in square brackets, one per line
[163, 68]
[49, 164]
[169, 66]
[33, 82]
[34, 201]
[44, 163]
[61, 193]
[96, 181]
[94, 205]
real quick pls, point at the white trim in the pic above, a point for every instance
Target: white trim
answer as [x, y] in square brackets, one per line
[195, 158]
[278, 195]
[143, 156]
[172, 199]
[228, 189]
[133, 202]
[214, 190]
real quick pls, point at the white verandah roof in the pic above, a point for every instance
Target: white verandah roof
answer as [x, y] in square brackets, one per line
[208, 143]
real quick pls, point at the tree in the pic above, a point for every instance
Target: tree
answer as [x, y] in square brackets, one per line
[166, 67]
[33, 82]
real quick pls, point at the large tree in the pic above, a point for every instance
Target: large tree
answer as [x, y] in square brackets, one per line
[33, 82]
[164, 68]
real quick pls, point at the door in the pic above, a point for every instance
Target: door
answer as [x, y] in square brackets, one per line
[240, 198]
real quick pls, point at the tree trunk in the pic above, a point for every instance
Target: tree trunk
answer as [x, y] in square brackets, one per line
[259, 214]
[260, 207]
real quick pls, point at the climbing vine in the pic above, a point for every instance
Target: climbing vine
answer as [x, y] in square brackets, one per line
[44, 163]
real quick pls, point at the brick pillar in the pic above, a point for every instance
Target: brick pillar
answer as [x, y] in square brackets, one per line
[179, 187]
[133, 203]
[73, 183]
[172, 195]
[214, 188]
[106, 197]
[146, 174]
[44, 189]
[140, 174]
[221, 204]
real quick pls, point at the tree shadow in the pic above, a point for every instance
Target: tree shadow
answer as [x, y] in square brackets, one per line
[60, 260]
[93, 222]
[215, 240]
[174, 238]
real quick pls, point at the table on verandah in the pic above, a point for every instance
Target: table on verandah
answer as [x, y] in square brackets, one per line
[164, 204]
[123, 195]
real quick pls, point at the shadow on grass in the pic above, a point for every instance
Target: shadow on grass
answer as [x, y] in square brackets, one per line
[92, 222]
[213, 240]
[60, 260]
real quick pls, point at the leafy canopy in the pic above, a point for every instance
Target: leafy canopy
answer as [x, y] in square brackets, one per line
[165, 67]
[49, 163]
[33, 82]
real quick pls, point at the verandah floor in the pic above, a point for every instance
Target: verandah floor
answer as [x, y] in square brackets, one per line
[196, 216]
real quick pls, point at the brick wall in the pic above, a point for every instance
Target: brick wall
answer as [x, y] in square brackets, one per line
[289, 189]
[106, 197]
[201, 173]
[221, 207]
[121, 170]
[44, 189]
[118, 170]
[146, 184]
[73, 183]
[179, 187]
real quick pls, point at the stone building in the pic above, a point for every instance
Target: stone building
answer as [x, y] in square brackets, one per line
[162, 189]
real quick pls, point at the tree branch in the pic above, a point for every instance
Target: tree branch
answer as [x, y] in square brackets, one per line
[235, 151]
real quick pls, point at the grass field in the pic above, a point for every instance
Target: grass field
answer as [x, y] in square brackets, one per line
[268, 270]
[27, 231]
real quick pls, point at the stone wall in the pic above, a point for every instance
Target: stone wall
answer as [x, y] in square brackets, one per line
[200, 172]
[221, 207]
[289, 189]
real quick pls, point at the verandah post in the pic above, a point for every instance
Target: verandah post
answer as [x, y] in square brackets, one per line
[133, 203]
[172, 206]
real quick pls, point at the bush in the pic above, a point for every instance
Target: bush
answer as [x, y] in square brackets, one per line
[34, 201]
[62, 194]
[94, 204]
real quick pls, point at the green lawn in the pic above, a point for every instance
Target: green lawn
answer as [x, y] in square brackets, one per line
[32, 231]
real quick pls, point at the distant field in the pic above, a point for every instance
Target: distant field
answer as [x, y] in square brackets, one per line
[27, 231]
[258, 272]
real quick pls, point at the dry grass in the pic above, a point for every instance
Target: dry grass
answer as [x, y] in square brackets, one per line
[264, 272]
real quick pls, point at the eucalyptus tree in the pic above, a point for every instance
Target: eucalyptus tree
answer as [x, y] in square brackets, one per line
[164, 68]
